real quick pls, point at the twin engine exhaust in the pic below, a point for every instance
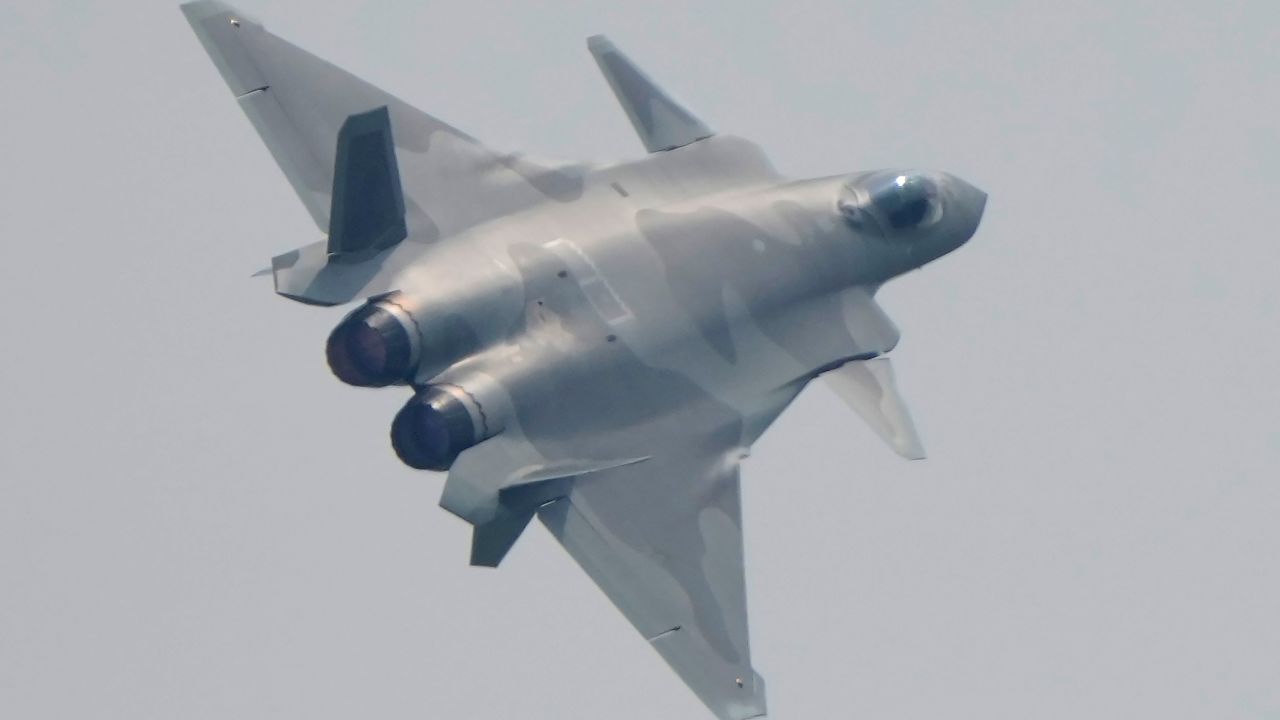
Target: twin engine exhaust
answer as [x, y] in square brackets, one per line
[375, 346]
[439, 423]
[381, 344]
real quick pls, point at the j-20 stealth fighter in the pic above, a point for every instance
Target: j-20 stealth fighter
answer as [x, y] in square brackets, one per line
[596, 347]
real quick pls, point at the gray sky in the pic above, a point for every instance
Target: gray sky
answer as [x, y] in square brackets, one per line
[198, 521]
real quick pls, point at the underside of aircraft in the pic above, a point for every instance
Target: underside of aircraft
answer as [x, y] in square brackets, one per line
[596, 347]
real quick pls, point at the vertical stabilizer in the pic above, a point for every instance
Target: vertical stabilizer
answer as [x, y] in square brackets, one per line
[661, 122]
[300, 104]
[368, 203]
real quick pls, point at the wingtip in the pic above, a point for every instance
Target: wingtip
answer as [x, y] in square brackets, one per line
[198, 10]
[203, 8]
[913, 453]
[599, 43]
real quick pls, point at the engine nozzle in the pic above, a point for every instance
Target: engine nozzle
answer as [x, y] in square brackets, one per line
[435, 427]
[375, 346]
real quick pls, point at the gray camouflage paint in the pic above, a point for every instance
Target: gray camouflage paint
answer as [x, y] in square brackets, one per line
[619, 336]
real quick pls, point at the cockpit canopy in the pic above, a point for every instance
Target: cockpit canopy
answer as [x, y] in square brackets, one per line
[886, 202]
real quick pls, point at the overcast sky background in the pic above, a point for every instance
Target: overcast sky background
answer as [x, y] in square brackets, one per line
[198, 521]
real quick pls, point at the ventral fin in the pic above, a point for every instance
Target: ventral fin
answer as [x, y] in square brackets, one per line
[868, 387]
[491, 541]
[498, 485]
[521, 497]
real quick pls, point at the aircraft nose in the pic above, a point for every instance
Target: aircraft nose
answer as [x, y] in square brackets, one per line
[970, 203]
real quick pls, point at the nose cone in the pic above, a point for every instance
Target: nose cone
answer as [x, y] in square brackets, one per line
[966, 205]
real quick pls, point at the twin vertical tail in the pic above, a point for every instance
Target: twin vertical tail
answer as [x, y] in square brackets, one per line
[367, 212]
[660, 121]
[366, 218]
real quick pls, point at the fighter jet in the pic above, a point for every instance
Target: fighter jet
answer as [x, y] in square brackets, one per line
[594, 346]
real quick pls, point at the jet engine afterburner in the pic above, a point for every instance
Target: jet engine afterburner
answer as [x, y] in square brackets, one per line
[442, 421]
[375, 346]
[408, 338]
